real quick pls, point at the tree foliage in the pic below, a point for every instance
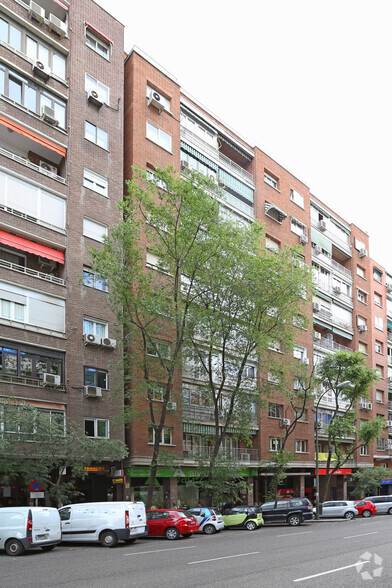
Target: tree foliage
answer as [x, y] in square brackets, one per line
[368, 480]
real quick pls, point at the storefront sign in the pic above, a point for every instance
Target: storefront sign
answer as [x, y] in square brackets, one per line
[388, 481]
[285, 492]
[101, 469]
[186, 472]
[117, 480]
[341, 472]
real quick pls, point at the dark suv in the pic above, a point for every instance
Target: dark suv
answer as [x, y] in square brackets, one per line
[292, 511]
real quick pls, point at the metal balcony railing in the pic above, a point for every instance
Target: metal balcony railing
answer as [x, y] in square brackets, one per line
[31, 272]
[24, 161]
[205, 452]
[328, 316]
[343, 245]
[36, 382]
[332, 345]
[322, 285]
[333, 264]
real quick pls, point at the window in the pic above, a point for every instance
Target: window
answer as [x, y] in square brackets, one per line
[296, 198]
[158, 136]
[95, 182]
[361, 322]
[271, 180]
[378, 347]
[93, 280]
[196, 165]
[378, 323]
[377, 299]
[30, 95]
[23, 41]
[381, 444]
[275, 443]
[93, 84]
[155, 392]
[274, 345]
[301, 446]
[94, 327]
[154, 262]
[271, 244]
[13, 257]
[379, 370]
[360, 272]
[29, 362]
[158, 349]
[96, 428]
[362, 347]
[379, 396]
[12, 310]
[96, 44]
[377, 275]
[166, 436]
[96, 377]
[97, 136]
[275, 410]
[297, 227]
[94, 230]
[361, 296]
[300, 352]
[273, 378]
[363, 450]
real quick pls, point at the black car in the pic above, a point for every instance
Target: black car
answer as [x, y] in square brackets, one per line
[292, 511]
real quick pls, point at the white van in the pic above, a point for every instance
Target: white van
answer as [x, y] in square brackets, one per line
[24, 527]
[107, 522]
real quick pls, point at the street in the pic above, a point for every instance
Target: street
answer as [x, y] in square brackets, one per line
[316, 554]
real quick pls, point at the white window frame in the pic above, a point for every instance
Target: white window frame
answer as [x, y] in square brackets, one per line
[380, 396]
[275, 411]
[363, 451]
[91, 83]
[89, 275]
[360, 272]
[17, 311]
[361, 321]
[379, 301]
[297, 198]
[297, 227]
[378, 346]
[274, 443]
[378, 322]
[95, 235]
[164, 430]
[271, 244]
[95, 323]
[361, 296]
[95, 140]
[96, 436]
[99, 183]
[301, 446]
[158, 140]
[271, 180]
[97, 40]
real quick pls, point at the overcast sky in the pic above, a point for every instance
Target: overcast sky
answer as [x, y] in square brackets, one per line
[307, 81]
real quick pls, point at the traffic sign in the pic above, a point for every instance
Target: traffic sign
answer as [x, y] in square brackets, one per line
[36, 486]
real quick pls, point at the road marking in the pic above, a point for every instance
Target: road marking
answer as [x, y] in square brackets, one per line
[375, 523]
[190, 563]
[331, 571]
[156, 550]
[362, 535]
[294, 533]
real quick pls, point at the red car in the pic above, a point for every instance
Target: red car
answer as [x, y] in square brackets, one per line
[170, 524]
[365, 508]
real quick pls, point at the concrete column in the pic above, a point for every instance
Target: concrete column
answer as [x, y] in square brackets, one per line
[170, 493]
[344, 487]
[251, 499]
[301, 485]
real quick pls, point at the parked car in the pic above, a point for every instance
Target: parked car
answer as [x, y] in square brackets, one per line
[339, 508]
[382, 503]
[25, 527]
[292, 511]
[171, 523]
[365, 508]
[104, 522]
[209, 520]
[243, 517]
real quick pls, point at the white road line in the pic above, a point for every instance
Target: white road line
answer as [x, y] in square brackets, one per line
[190, 563]
[156, 550]
[332, 571]
[362, 535]
[294, 533]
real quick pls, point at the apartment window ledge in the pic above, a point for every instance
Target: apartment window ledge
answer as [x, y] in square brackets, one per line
[96, 144]
[160, 146]
[276, 189]
[164, 444]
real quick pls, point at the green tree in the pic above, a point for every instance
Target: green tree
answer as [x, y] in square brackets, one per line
[368, 480]
[38, 446]
[345, 434]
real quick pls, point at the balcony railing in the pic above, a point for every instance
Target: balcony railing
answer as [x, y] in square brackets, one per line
[334, 264]
[322, 285]
[332, 345]
[31, 272]
[343, 245]
[205, 452]
[328, 316]
[24, 161]
[26, 381]
[198, 413]
[389, 336]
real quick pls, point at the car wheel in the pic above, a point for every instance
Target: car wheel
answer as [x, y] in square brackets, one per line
[209, 529]
[14, 547]
[294, 520]
[349, 515]
[172, 533]
[390, 511]
[366, 513]
[47, 547]
[108, 539]
[251, 526]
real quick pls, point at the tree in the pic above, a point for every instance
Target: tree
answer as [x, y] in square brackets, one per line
[348, 377]
[368, 480]
[39, 446]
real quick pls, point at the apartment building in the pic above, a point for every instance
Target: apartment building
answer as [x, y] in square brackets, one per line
[61, 122]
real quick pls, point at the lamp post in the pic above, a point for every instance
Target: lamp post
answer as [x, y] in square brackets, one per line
[345, 384]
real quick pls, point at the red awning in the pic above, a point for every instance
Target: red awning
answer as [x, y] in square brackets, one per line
[98, 33]
[61, 4]
[33, 136]
[23, 244]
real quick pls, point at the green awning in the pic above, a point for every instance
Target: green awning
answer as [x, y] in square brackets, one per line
[198, 429]
[280, 213]
[199, 156]
[324, 296]
[342, 333]
[389, 325]
[198, 118]
[235, 185]
[321, 324]
[319, 239]
[233, 146]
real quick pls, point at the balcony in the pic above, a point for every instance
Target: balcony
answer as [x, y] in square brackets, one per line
[326, 287]
[341, 244]
[27, 163]
[26, 381]
[389, 336]
[244, 456]
[327, 316]
[331, 345]
[338, 267]
[31, 272]
[198, 413]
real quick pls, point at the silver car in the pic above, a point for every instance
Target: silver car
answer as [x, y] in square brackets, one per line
[382, 503]
[338, 509]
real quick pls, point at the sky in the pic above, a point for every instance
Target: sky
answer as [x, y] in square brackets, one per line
[307, 81]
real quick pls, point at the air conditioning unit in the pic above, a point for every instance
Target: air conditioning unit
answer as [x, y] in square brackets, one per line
[57, 25]
[369, 406]
[297, 385]
[47, 264]
[48, 167]
[51, 380]
[316, 307]
[388, 423]
[317, 336]
[94, 98]
[109, 343]
[319, 425]
[40, 70]
[362, 252]
[322, 225]
[317, 250]
[92, 391]
[285, 422]
[389, 288]
[337, 289]
[155, 99]
[36, 12]
[245, 456]
[362, 328]
[172, 406]
[303, 238]
[90, 339]
[363, 405]
[305, 361]
[184, 164]
[48, 115]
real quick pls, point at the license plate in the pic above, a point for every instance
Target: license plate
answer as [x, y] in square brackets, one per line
[133, 531]
[40, 537]
[192, 523]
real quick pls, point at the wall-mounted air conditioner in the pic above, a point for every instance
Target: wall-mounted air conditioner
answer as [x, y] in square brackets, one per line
[285, 422]
[48, 167]
[172, 406]
[336, 289]
[48, 115]
[90, 339]
[36, 12]
[322, 225]
[363, 405]
[369, 406]
[57, 25]
[305, 361]
[316, 307]
[317, 250]
[317, 336]
[51, 380]
[47, 264]
[40, 70]
[94, 98]
[388, 423]
[303, 238]
[155, 99]
[184, 164]
[92, 391]
[109, 343]
[362, 252]
[362, 328]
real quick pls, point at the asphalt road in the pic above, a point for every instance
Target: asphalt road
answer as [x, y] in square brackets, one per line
[313, 555]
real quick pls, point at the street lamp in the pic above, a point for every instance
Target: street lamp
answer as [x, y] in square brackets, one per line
[345, 384]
